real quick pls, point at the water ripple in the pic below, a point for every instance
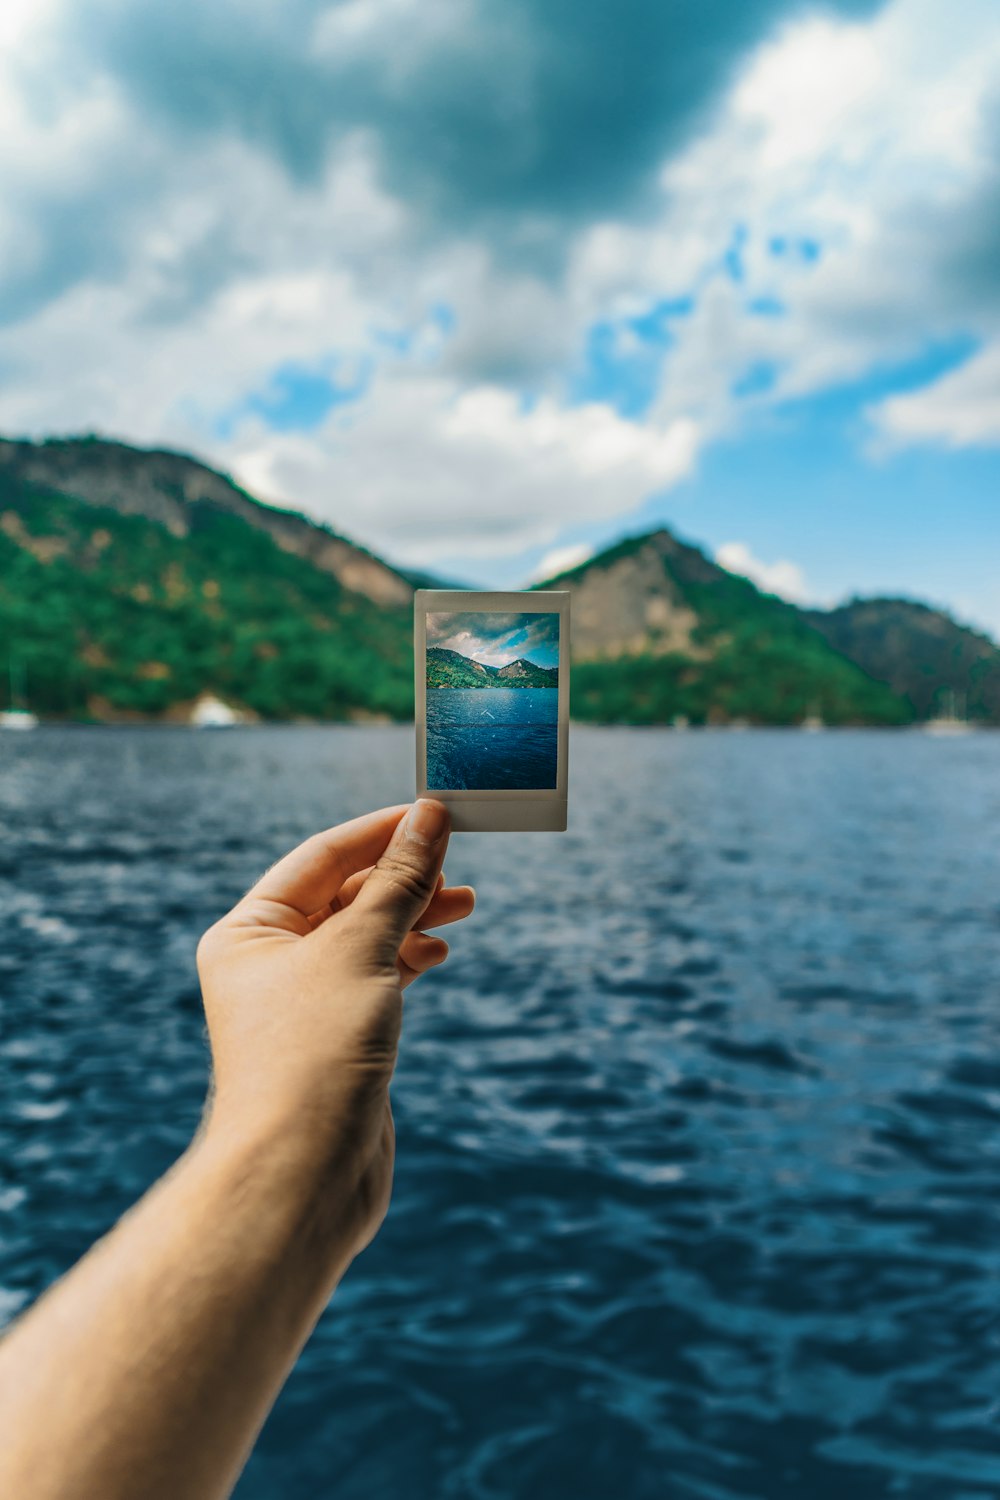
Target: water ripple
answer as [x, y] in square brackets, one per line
[698, 1131]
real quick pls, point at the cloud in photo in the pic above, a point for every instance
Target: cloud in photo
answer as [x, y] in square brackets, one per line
[496, 639]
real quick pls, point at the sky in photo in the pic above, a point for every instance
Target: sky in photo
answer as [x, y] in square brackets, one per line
[487, 286]
[497, 639]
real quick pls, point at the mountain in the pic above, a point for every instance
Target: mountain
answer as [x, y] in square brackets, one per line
[175, 491]
[133, 605]
[133, 581]
[920, 653]
[524, 673]
[450, 669]
[659, 631]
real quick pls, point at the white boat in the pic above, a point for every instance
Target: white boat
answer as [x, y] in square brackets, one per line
[947, 725]
[211, 713]
[950, 722]
[812, 724]
[18, 718]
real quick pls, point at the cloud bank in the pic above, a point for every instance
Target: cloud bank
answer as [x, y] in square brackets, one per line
[496, 639]
[462, 279]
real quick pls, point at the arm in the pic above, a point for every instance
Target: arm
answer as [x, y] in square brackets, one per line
[149, 1369]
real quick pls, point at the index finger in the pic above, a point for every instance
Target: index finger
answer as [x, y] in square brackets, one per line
[312, 874]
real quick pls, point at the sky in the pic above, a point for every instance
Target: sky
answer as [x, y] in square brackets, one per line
[496, 639]
[486, 287]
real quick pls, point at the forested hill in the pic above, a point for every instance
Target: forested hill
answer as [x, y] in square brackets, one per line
[109, 614]
[927, 658]
[450, 669]
[132, 582]
[175, 490]
[659, 630]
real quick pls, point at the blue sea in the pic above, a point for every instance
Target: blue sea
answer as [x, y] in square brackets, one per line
[698, 1178]
[499, 738]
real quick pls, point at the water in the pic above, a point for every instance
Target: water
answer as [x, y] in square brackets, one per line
[499, 738]
[699, 1128]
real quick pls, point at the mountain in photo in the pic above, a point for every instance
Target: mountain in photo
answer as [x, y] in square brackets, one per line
[450, 669]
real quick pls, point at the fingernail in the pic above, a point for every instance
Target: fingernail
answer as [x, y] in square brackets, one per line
[426, 821]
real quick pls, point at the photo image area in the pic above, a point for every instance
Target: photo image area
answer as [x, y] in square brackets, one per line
[492, 701]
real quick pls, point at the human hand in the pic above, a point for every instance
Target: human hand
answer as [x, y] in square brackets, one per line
[302, 984]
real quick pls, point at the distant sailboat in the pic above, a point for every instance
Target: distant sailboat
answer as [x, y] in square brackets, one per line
[17, 716]
[951, 721]
[211, 713]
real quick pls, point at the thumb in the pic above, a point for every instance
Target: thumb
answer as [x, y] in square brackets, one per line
[401, 884]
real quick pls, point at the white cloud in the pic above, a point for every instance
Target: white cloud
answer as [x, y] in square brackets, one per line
[19, 18]
[429, 470]
[783, 577]
[959, 409]
[869, 140]
[803, 89]
[234, 280]
[871, 144]
[561, 560]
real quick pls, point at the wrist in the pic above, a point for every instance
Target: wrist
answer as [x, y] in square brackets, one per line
[301, 1192]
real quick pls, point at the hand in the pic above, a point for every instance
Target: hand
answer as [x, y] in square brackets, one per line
[302, 984]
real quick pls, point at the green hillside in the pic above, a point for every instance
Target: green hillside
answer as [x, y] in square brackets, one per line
[110, 615]
[777, 681]
[133, 581]
[927, 658]
[450, 669]
[524, 673]
[748, 656]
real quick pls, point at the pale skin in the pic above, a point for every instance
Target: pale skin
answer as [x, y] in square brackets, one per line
[148, 1370]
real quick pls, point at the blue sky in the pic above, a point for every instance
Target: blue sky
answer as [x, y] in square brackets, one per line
[489, 287]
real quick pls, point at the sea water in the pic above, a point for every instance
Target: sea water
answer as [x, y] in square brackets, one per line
[698, 1129]
[500, 738]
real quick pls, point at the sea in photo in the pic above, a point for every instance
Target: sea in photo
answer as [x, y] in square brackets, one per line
[506, 739]
[492, 701]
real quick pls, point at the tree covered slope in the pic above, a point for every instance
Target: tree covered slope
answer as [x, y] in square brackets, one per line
[450, 669]
[930, 660]
[113, 616]
[131, 582]
[660, 631]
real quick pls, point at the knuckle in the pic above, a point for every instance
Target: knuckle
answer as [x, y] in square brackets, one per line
[413, 879]
[208, 945]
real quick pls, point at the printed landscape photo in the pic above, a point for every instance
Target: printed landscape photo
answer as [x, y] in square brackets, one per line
[492, 701]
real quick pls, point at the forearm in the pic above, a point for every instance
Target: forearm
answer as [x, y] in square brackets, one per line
[149, 1369]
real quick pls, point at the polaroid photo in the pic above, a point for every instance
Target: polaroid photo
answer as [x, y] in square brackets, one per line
[492, 707]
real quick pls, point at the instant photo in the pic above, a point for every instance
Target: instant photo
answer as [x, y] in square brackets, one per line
[492, 706]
